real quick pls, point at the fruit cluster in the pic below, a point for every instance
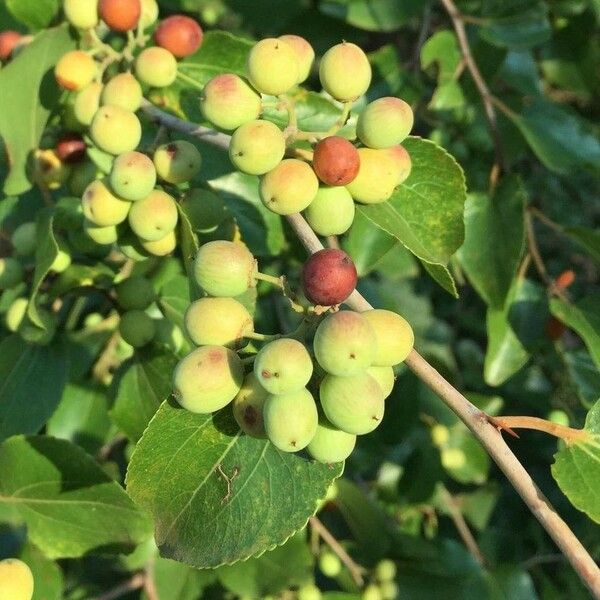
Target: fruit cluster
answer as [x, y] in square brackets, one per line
[348, 363]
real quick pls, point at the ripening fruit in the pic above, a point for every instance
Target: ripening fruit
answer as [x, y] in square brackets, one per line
[402, 160]
[354, 404]
[228, 102]
[24, 239]
[161, 247]
[8, 40]
[62, 261]
[101, 235]
[224, 269]
[135, 293]
[335, 160]
[208, 379]
[345, 343]
[48, 170]
[115, 130]
[204, 209]
[329, 563]
[16, 580]
[331, 445]
[389, 590]
[180, 35]
[153, 217]
[345, 72]
[13, 319]
[248, 407]
[395, 337]
[385, 378]
[82, 14]
[291, 419]
[74, 70]
[329, 277]
[87, 103]
[218, 321]
[123, 90]
[377, 177]
[101, 206]
[132, 176]
[120, 15]
[289, 188]
[305, 55]
[137, 328]
[149, 14]
[309, 592]
[272, 66]
[177, 162]
[371, 592]
[331, 212]
[257, 147]
[156, 67]
[71, 148]
[283, 366]
[385, 570]
[384, 123]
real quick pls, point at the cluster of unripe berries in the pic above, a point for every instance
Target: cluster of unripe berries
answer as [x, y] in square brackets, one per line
[349, 360]
[323, 183]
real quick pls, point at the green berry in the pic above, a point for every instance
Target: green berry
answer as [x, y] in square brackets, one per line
[115, 130]
[385, 378]
[385, 570]
[331, 212]
[153, 217]
[130, 246]
[305, 55]
[87, 103]
[377, 177]
[132, 176]
[289, 188]
[560, 417]
[208, 379]
[156, 67]
[135, 293]
[257, 147]
[371, 592]
[204, 209]
[345, 72]
[225, 269]
[101, 235]
[16, 580]
[283, 366]
[82, 14]
[453, 458]
[329, 563]
[345, 343]
[395, 337]
[309, 592]
[149, 14]
[273, 66]
[384, 123]
[123, 90]
[62, 261]
[24, 239]
[248, 407]
[101, 206]
[354, 404]
[389, 590]
[16, 313]
[137, 328]
[177, 162]
[161, 247]
[440, 435]
[291, 419]
[330, 444]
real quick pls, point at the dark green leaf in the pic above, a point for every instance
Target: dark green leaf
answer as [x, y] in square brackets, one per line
[519, 25]
[588, 239]
[33, 13]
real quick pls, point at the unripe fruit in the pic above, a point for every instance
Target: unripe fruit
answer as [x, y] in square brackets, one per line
[224, 269]
[331, 445]
[345, 343]
[309, 592]
[345, 72]
[257, 147]
[204, 209]
[402, 161]
[335, 160]
[453, 458]
[228, 102]
[137, 328]
[354, 404]
[440, 435]
[115, 130]
[62, 261]
[560, 417]
[101, 235]
[82, 14]
[385, 570]
[218, 321]
[248, 407]
[154, 216]
[123, 90]
[377, 177]
[71, 148]
[329, 563]
[130, 246]
[74, 70]
[132, 176]
[208, 379]
[371, 592]
[331, 212]
[272, 66]
[384, 123]
[13, 319]
[389, 590]
[16, 580]
[395, 337]
[135, 293]
[291, 419]
[156, 67]
[283, 366]
[177, 162]
[120, 15]
[328, 277]
[385, 378]
[289, 188]
[8, 41]
[101, 206]
[180, 35]
[161, 247]
[87, 103]
[305, 55]
[149, 13]
[24, 239]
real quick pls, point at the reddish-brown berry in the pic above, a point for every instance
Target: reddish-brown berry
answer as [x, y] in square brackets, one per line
[336, 161]
[120, 15]
[554, 328]
[565, 279]
[71, 148]
[329, 277]
[8, 40]
[180, 35]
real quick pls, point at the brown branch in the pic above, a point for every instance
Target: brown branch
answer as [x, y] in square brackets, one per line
[568, 434]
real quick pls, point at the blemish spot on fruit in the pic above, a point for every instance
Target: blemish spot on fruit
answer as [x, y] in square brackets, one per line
[266, 374]
[250, 415]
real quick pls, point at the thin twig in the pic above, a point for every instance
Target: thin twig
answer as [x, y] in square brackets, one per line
[538, 214]
[333, 242]
[568, 434]
[541, 559]
[135, 583]
[149, 583]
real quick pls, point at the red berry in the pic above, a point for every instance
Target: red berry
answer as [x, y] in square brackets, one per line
[329, 277]
[8, 40]
[180, 35]
[565, 279]
[120, 15]
[336, 161]
[71, 148]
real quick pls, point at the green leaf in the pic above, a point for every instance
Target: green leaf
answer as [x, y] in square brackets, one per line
[510, 581]
[474, 462]
[584, 374]
[179, 582]
[71, 507]
[175, 297]
[271, 493]
[576, 468]
[47, 575]
[26, 404]
[36, 14]
[373, 15]
[25, 111]
[442, 276]
[189, 247]
[520, 25]
[587, 238]
[494, 238]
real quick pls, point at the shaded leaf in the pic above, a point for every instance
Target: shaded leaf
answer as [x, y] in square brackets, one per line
[33, 13]
[588, 239]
